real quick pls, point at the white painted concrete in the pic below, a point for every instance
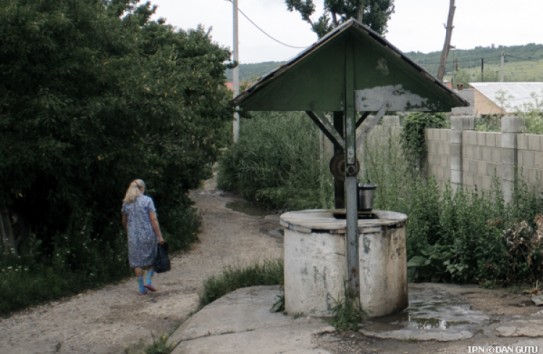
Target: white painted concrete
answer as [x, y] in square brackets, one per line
[383, 271]
[315, 263]
[315, 268]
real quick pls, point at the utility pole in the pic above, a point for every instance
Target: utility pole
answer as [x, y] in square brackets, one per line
[502, 67]
[482, 69]
[235, 70]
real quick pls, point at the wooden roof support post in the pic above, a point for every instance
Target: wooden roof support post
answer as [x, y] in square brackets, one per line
[351, 183]
[339, 185]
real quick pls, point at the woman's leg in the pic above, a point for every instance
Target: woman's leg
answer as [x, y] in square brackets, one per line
[139, 276]
[149, 279]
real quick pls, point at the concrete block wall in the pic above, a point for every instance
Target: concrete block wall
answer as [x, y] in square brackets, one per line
[439, 165]
[478, 159]
[482, 159]
[463, 157]
[530, 158]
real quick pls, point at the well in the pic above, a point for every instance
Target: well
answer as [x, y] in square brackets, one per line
[345, 82]
[315, 262]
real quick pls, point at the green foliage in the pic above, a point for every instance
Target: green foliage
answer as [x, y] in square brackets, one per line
[386, 166]
[464, 237]
[462, 78]
[347, 314]
[276, 162]
[533, 121]
[523, 63]
[532, 113]
[232, 278]
[413, 138]
[92, 95]
[375, 13]
[488, 123]
[460, 241]
[159, 346]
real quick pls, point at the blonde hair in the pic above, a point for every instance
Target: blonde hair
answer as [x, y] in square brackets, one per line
[135, 189]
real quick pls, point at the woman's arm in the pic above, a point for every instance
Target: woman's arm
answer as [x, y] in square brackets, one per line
[156, 226]
[125, 223]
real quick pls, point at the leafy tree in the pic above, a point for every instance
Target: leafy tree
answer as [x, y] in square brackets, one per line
[373, 13]
[93, 94]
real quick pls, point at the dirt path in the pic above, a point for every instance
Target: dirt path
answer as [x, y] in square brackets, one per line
[116, 319]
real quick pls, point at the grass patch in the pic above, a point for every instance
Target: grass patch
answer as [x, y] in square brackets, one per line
[159, 346]
[264, 273]
[348, 313]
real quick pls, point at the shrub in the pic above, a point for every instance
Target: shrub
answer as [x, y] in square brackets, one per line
[347, 314]
[159, 346]
[413, 138]
[465, 236]
[277, 162]
[232, 278]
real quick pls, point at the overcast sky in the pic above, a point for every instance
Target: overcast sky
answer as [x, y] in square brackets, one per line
[416, 25]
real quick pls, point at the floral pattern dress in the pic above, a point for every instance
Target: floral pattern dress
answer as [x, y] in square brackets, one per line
[142, 240]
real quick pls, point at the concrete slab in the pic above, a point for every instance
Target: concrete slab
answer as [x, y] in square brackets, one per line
[439, 320]
[241, 321]
[525, 327]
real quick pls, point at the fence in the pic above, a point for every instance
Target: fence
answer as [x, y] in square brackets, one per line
[464, 157]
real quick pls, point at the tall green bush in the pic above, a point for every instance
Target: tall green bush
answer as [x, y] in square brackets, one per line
[465, 236]
[92, 95]
[277, 162]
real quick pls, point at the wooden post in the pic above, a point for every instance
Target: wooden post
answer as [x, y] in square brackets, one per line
[339, 186]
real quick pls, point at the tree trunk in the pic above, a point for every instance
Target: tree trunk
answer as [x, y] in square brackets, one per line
[447, 44]
[360, 14]
[7, 241]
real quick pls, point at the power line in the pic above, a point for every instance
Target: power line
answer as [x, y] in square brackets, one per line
[264, 32]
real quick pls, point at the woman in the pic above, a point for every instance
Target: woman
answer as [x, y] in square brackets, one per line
[141, 225]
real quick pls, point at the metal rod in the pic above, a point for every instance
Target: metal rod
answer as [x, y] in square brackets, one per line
[351, 184]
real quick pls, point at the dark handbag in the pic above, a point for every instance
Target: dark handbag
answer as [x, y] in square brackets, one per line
[162, 260]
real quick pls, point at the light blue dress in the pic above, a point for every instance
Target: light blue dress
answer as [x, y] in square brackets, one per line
[142, 240]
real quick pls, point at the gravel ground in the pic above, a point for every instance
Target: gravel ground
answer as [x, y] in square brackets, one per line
[115, 319]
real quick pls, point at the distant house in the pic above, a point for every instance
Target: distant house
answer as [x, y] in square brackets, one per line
[490, 98]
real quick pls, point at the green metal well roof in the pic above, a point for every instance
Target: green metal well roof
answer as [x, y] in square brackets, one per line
[316, 79]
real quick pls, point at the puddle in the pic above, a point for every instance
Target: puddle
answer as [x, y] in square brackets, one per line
[248, 208]
[433, 314]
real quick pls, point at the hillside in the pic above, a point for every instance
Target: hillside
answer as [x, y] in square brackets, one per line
[521, 63]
